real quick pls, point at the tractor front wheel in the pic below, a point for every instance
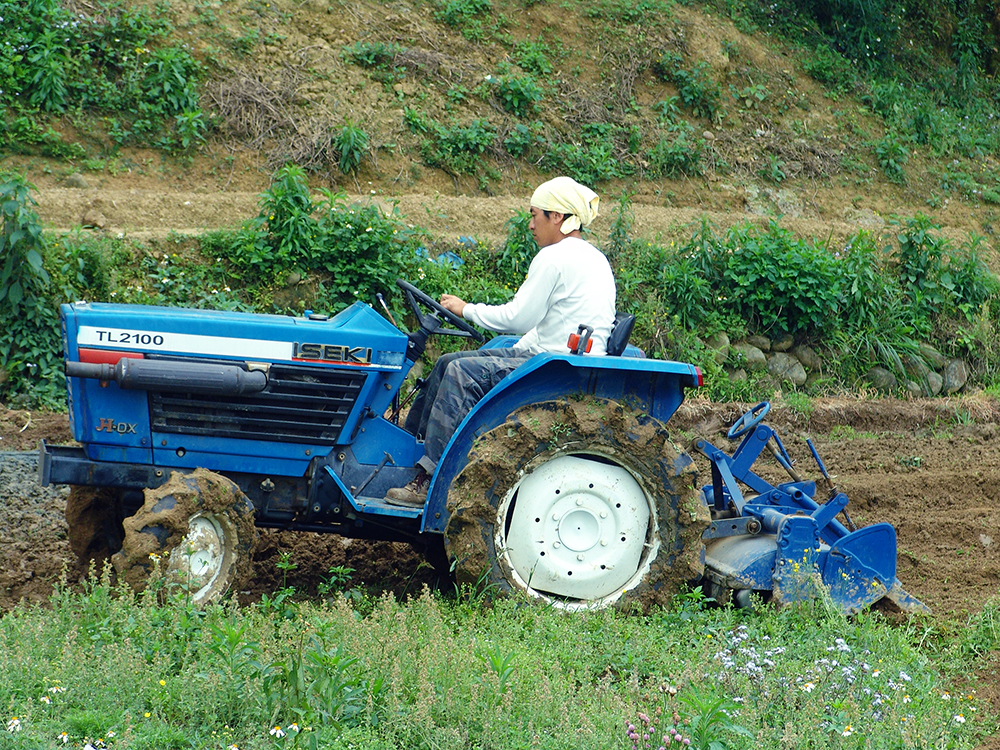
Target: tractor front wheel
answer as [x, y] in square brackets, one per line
[94, 523]
[581, 503]
[195, 531]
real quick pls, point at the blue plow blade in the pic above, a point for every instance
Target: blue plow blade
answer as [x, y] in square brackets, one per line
[860, 568]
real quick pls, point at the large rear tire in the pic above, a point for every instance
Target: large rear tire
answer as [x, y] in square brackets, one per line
[197, 531]
[581, 503]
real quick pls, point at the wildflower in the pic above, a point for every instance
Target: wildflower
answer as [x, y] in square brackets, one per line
[277, 732]
[959, 718]
[234, 746]
[163, 683]
[64, 737]
[906, 699]
[808, 687]
[293, 727]
[45, 699]
[848, 731]
[14, 725]
[110, 733]
[946, 696]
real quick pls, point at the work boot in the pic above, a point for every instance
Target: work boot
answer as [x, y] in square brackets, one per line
[413, 495]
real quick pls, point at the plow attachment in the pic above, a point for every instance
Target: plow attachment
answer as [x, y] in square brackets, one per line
[780, 542]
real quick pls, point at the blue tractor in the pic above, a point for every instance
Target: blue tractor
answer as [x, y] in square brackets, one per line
[198, 427]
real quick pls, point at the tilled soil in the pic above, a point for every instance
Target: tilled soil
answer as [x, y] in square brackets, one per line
[930, 468]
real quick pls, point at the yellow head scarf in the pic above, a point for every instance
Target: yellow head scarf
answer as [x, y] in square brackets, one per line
[567, 196]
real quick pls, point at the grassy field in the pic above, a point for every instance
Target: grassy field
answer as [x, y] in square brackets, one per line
[105, 669]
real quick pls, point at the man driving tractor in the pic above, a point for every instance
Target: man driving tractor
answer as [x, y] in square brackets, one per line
[569, 283]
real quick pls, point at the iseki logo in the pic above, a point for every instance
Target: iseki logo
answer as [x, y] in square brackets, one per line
[121, 428]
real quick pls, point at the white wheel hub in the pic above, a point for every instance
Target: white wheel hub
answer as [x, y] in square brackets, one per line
[578, 530]
[202, 557]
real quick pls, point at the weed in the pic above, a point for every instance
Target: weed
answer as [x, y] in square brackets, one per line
[351, 145]
[678, 152]
[892, 157]
[775, 169]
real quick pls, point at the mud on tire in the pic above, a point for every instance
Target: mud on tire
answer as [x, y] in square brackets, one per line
[584, 487]
[196, 530]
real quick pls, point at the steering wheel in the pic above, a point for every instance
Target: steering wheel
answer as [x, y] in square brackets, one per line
[748, 421]
[416, 298]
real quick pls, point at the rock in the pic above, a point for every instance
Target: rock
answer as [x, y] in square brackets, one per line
[786, 368]
[913, 389]
[76, 180]
[933, 383]
[739, 375]
[986, 540]
[93, 219]
[783, 343]
[708, 135]
[915, 367]
[761, 342]
[719, 343]
[955, 376]
[932, 356]
[754, 357]
[808, 357]
[293, 279]
[881, 379]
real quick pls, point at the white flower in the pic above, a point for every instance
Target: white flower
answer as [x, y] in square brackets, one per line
[946, 696]
[45, 699]
[14, 725]
[848, 731]
[959, 718]
[808, 687]
[277, 732]
[64, 737]
[293, 727]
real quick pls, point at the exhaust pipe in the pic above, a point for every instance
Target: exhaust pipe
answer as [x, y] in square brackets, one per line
[181, 377]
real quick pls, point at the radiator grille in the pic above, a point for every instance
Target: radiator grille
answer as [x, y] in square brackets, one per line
[299, 405]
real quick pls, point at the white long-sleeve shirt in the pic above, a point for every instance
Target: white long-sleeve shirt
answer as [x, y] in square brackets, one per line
[568, 283]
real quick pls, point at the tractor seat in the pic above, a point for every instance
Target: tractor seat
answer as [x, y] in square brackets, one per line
[621, 329]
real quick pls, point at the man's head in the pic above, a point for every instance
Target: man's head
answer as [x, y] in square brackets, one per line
[560, 208]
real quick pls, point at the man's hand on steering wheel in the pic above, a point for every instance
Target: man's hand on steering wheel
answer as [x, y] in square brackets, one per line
[431, 323]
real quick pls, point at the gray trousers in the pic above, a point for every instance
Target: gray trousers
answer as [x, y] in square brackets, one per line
[457, 383]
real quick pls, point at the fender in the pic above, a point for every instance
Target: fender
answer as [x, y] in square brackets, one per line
[655, 386]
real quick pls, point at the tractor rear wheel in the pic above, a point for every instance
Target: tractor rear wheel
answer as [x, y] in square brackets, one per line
[581, 503]
[196, 530]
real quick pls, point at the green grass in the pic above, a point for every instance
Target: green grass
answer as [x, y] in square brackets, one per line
[436, 673]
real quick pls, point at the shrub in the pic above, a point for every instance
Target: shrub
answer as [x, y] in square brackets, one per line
[372, 54]
[698, 92]
[519, 95]
[30, 345]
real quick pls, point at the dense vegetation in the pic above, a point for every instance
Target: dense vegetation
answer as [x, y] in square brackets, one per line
[348, 671]
[81, 84]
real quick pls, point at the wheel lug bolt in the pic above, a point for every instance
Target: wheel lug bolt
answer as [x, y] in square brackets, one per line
[604, 542]
[579, 501]
[580, 558]
[555, 516]
[604, 514]
[557, 545]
